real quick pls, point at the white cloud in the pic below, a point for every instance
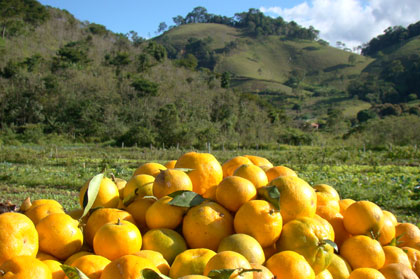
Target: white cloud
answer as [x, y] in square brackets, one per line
[353, 22]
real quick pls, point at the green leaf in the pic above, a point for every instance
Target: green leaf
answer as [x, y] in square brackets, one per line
[221, 273]
[91, 193]
[73, 272]
[270, 194]
[331, 243]
[185, 198]
[151, 274]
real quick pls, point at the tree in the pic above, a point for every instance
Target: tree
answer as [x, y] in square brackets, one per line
[145, 87]
[178, 20]
[225, 81]
[162, 27]
[197, 15]
[352, 59]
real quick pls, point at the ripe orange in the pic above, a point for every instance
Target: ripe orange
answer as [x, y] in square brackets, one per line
[114, 240]
[234, 191]
[327, 190]
[141, 185]
[407, 234]
[59, 235]
[165, 241]
[205, 225]
[163, 215]
[279, 171]
[55, 268]
[45, 256]
[264, 272]
[127, 267]
[206, 172]
[108, 195]
[156, 258]
[363, 251]
[152, 169]
[413, 255]
[38, 212]
[120, 185]
[259, 219]
[395, 255]
[297, 197]
[253, 173]
[289, 264]
[397, 271]
[102, 216]
[245, 245]
[24, 267]
[169, 181]
[138, 209]
[391, 217]
[259, 161]
[327, 199]
[325, 274]
[18, 236]
[307, 237]
[328, 228]
[344, 204]
[231, 260]
[337, 222]
[339, 267]
[366, 273]
[44, 201]
[363, 217]
[387, 232]
[231, 165]
[91, 265]
[75, 256]
[170, 164]
[191, 261]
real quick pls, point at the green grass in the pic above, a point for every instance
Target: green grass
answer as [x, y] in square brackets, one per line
[386, 177]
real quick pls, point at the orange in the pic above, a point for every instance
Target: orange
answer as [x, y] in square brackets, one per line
[412, 254]
[397, 271]
[205, 225]
[194, 276]
[387, 232]
[139, 185]
[307, 237]
[328, 228]
[108, 195]
[344, 204]
[279, 171]
[327, 190]
[170, 164]
[363, 217]
[152, 169]
[24, 267]
[206, 172]
[339, 267]
[120, 185]
[366, 273]
[253, 173]
[76, 213]
[337, 222]
[45, 256]
[416, 267]
[191, 261]
[156, 258]
[259, 161]
[127, 267]
[165, 241]
[259, 219]
[395, 255]
[297, 197]
[245, 245]
[264, 272]
[407, 234]
[18, 236]
[59, 235]
[44, 201]
[325, 274]
[100, 217]
[38, 212]
[326, 207]
[390, 216]
[231, 165]
[91, 265]
[231, 260]
[363, 251]
[55, 268]
[289, 264]
[169, 181]
[234, 191]
[75, 256]
[114, 240]
[163, 215]
[138, 209]
[270, 250]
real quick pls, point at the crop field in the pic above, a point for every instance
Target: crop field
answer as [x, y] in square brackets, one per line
[389, 177]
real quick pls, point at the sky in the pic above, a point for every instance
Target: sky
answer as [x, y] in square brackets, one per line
[352, 22]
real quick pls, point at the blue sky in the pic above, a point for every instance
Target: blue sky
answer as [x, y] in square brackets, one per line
[350, 21]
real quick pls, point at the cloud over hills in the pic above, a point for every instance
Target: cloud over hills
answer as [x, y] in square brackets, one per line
[353, 22]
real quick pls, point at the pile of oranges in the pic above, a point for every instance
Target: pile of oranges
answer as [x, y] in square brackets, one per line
[194, 218]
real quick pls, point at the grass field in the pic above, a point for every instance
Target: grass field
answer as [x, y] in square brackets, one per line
[387, 177]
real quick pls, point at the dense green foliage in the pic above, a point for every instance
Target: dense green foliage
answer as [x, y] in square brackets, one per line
[387, 176]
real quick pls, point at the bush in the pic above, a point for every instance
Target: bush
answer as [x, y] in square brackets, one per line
[137, 135]
[365, 115]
